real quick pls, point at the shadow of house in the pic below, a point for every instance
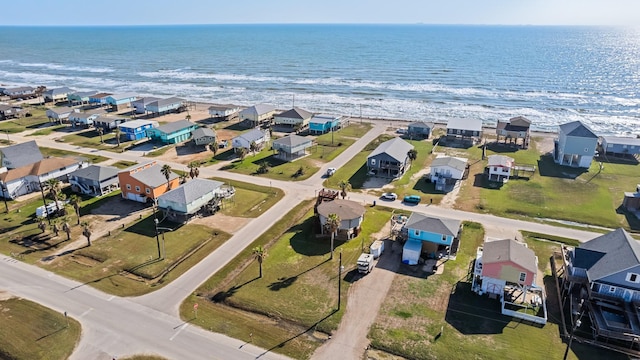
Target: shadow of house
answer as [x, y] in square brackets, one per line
[473, 315]
[358, 179]
[498, 147]
[632, 219]
[547, 167]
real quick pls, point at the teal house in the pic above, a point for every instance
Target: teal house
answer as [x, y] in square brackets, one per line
[172, 133]
[322, 123]
[436, 237]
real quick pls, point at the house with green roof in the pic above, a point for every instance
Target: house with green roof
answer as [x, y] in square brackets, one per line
[172, 133]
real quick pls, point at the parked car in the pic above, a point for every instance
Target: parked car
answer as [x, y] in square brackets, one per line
[389, 196]
[331, 171]
[412, 199]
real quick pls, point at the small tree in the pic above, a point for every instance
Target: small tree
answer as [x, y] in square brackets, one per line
[254, 147]
[53, 188]
[100, 132]
[118, 132]
[66, 228]
[333, 224]
[166, 171]
[264, 167]
[86, 231]
[193, 169]
[75, 201]
[344, 187]
[259, 253]
[188, 117]
[242, 152]
[42, 225]
[412, 154]
[214, 147]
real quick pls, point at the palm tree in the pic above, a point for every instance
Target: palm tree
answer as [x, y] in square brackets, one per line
[333, 223]
[259, 253]
[412, 154]
[188, 117]
[242, 152]
[100, 132]
[166, 171]
[53, 188]
[214, 147]
[253, 147]
[193, 169]
[75, 201]
[118, 132]
[86, 232]
[66, 228]
[42, 225]
[344, 187]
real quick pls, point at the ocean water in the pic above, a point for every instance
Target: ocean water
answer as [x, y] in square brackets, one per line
[551, 75]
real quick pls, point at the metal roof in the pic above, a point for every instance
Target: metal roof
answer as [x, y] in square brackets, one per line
[465, 124]
[450, 161]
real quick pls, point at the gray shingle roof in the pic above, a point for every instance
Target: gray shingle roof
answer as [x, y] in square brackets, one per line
[292, 140]
[499, 160]
[345, 209]
[296, 113]
[450, 161]
[203, 132]
[465, 124]
[165, 102]
[22, 154]
[622, 140]
[259, 109]
[433, 225]
[190, 191]
[577, 129]
[175, 126]
[396, 148]
[608, 254]
[252, 135]
[421, 124]
[61, 110]
[152, 176]
[62, 90]
[509, 250]
[96, 172]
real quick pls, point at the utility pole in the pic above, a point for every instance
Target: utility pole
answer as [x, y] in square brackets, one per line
[44, 201]
[339, 280]
[360, 113]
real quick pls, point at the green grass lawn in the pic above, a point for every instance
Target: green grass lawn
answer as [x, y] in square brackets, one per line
[323, 151]
[122, 164]
[94, 159]
[48, 130]
[126, 262]
[91, 139]
[416, 309]
[32, 331]
[37, 119]
[299, 285]
[556, 192]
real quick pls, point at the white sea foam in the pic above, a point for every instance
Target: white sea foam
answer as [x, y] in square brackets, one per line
[67, 67]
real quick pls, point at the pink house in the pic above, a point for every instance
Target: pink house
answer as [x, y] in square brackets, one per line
[507, 261]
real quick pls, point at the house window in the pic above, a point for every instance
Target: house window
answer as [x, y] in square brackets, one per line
[633, 277]
[609, 145]
[148, 191]
[373, 161]
[523, 276]
[495, 168]
[416, 232]
[138, 188]
[128, 186]
[444, 237]
[612, 289]
[586, 149]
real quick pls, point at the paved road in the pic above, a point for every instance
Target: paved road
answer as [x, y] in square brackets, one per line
[150, 323]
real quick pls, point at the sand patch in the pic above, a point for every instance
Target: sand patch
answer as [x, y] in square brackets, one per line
[4, 295]
[228, 224]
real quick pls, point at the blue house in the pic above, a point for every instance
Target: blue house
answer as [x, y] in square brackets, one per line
[322, 123]
[120, 101]
[619, 146]
[80, 97]
[136, 129]
[165, 105]
[172, 133]
[575, 145]
[419, 129]
[436, 236]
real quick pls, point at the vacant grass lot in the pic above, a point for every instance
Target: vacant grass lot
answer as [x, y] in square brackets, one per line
[91, 139]
[32, 331]
[417, 309]
[126, 262]
[94, 159]
[297, 293]
[555, 192]
[324, 150]
[37, 119]
[250, 200]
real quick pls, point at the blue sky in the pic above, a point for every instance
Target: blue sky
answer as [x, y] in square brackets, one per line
[140, 12]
